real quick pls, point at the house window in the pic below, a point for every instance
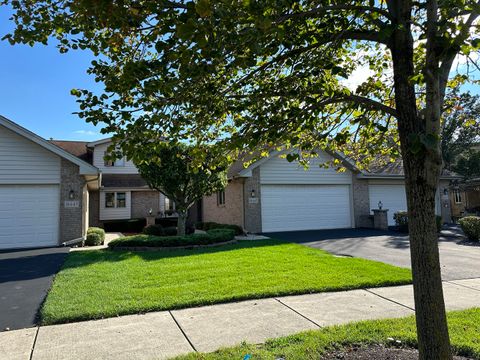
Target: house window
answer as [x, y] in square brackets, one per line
[121, 200]
[458, 197]
[221, 197]
[169, 204]
[113, 163]
[109, 200]
[115, 200]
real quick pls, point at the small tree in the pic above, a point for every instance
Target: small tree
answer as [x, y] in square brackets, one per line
[174, 171]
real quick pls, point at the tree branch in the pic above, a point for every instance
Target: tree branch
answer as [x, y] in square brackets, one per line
[344, 35]
[323, 9]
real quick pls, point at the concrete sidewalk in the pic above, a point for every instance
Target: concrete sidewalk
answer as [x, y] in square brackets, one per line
[161, 335]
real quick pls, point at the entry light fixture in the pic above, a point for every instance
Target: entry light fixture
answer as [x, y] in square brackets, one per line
[252, 193]
[380, 205]
[71, 195]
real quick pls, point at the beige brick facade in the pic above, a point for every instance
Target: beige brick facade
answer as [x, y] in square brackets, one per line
[229, 213]
[71, 222]
[253, 210]
[143, 201]
[361, 202]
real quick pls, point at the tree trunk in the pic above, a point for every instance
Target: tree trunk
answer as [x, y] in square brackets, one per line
[422, 166]
[432, 330]
[181, 222]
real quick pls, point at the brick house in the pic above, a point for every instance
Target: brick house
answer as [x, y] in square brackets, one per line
[44, 190]
[273, 194]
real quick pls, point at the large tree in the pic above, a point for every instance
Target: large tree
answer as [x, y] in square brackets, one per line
[269, 72]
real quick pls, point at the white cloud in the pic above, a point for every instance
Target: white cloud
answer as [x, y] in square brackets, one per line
[357, 77]
[87, 133]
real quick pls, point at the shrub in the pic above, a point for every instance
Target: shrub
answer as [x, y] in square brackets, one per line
[471, 227]
[95, 236]
[401, 221]
[211, 237]
[170, 231]
[131, 226]
[156, 230]
[213, 225]
[94, 239]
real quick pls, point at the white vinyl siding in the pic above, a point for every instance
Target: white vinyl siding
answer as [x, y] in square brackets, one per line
[29, 216]
[99, 161]
[305, 207]
[279, 170]
[115, 213]
[24, 162]
[394, 198]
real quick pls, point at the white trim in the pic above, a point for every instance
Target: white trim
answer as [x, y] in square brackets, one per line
[85, 168]
[99, 142]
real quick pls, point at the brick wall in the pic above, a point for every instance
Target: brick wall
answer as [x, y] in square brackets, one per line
[142, 201]
[253, 210]
[71, 224]
[361, 202]
[229, 213]
[94, 209]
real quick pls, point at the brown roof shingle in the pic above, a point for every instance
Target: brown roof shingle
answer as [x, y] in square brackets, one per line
[77, 148]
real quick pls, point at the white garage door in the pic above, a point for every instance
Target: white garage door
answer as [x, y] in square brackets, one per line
[29, 216]
[305, 207]
[393, 198]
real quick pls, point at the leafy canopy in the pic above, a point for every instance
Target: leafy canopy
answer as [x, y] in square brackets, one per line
[168, 169]
[259, 72]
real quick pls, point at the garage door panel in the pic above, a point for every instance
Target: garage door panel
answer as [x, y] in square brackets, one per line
[29, 216]
[305, 207]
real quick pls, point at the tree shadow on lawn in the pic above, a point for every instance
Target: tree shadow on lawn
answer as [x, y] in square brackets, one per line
[85, 258]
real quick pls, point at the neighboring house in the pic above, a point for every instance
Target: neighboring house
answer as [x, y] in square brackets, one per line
[44, 190]
[465, 198]
[276, 195]
[123, 194]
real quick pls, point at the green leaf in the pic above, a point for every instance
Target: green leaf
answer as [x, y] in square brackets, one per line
[203, 8]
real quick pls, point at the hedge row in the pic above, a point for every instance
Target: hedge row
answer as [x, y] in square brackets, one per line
[213, 225]
[401, 221]
[211, 237]
[471, 227]
[159, 230]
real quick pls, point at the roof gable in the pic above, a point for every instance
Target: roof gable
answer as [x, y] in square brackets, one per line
[85, 168]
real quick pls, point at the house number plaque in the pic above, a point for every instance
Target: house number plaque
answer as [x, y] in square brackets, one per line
[72, 204]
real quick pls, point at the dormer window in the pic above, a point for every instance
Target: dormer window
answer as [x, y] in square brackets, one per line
[113, 163]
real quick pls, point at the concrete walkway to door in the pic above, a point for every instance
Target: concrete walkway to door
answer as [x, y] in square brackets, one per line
[160, 335]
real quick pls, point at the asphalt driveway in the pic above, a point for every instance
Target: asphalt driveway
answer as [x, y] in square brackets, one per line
[25, 278]
[459, 260]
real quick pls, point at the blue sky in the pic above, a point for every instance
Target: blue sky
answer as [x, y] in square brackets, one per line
[35, 88]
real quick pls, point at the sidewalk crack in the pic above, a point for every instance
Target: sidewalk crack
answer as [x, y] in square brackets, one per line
[465, 286]
[183, 332]
[385, 298]
[34, 343]
[298, 313]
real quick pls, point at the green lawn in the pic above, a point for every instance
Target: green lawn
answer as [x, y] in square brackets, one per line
[97, 284]
[464, 329]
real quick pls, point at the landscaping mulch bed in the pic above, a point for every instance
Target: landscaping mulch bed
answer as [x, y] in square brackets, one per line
[154, 248]
[376, 352]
